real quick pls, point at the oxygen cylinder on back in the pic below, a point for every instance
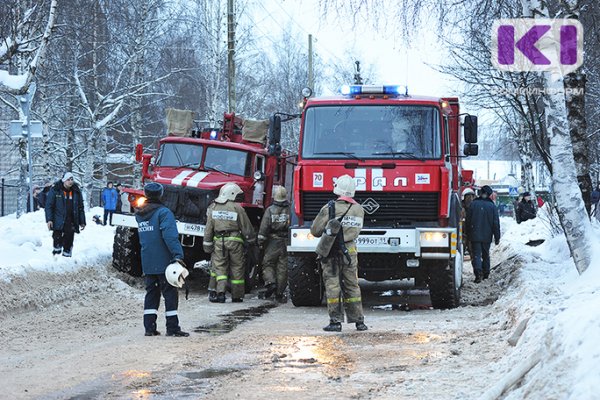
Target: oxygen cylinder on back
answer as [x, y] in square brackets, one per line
[257, 196]
[328, 237]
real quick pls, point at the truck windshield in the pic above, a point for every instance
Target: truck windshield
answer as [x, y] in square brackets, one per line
[180, 155]
[226, 160]
[372, 132]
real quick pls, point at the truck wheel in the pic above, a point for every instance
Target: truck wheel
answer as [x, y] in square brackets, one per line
[445, 280]
[304, 278]
[127, 252]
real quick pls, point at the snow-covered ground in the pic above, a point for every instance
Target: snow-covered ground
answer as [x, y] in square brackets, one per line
[556, 357]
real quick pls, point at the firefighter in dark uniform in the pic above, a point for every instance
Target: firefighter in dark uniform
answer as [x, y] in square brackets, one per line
[229, 227]
[160, 245]
[272, 234]
[340, 268]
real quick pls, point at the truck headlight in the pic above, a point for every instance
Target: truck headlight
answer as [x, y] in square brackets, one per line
[434, 239]
[303, 236]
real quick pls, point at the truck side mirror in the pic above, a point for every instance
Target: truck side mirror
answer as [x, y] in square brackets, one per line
[470, 149]
[274, 134]
[470, 129]
[139, 149]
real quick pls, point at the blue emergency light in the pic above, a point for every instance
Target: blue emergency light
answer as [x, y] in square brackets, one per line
[354, 90]
[213, 135]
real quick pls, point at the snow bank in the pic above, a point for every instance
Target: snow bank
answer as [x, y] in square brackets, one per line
[26, 246]
[557, 356]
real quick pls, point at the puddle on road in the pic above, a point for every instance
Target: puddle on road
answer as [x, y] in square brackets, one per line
[209, 373]
[312, 353]
[231, 320]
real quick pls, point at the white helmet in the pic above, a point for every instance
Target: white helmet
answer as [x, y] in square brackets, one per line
[344, 186]
[229, 191]
[467, 191]
[176, 274]
[279, 193]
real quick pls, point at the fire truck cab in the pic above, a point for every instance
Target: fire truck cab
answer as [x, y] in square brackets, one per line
[404, 153]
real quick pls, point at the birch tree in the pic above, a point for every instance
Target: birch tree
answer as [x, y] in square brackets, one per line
[26, 31]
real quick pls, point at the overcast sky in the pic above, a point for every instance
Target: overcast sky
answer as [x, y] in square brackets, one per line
[334, 38]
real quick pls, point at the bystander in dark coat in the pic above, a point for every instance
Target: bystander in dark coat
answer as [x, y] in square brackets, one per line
[65, 214]
[483, 225]
[525, 208]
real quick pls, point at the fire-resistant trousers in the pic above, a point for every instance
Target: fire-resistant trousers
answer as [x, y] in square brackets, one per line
[228, 263]
[155, 285]
[341, 288]
[275, 268]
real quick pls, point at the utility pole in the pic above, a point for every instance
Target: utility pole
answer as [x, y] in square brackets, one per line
[230, 56]
[311, 78]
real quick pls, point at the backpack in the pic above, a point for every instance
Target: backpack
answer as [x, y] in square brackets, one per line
[332, 239]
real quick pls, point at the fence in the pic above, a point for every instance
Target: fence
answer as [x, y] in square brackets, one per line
[10, 192]
[8, 198]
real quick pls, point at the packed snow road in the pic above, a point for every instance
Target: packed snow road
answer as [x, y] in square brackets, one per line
[80, 335]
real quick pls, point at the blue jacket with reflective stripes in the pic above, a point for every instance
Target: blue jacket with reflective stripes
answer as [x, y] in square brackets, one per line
[159, 238]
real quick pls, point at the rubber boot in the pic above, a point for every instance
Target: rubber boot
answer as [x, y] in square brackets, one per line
[212, 296]
[360, 326]
[270, 290]
[333, 327]
[152, 333]
[220, 298]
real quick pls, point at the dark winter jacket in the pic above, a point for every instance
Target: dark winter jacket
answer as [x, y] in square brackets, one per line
[159, 238]
[56, 206]
[596, 196]
[525, 211]
[110, 198]
[483, 221]
[42, 196]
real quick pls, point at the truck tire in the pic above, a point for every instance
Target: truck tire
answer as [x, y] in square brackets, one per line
[127, 252]
[304, 278]
[445, 280]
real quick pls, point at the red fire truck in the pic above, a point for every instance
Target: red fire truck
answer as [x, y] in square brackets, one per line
[192, 168]
[403, 152]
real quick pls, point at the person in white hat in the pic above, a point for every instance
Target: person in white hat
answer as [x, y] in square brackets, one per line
[65, 214]
[340, 266]
[227, 229]
[273, 234]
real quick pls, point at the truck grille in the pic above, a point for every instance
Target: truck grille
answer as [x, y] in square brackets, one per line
[387, 208]
[188, 204]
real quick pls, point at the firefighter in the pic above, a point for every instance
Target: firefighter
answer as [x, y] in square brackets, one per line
[340, 266]
[160, 245]
[272, 235]
[229, 227]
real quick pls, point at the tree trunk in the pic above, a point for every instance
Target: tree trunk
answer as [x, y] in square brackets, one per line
[525, 155]
[571, 209]
[575, 84]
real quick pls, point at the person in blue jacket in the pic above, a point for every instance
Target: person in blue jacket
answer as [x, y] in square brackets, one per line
[110, 198]
[65, 214]
[482, 223]
[159, 240]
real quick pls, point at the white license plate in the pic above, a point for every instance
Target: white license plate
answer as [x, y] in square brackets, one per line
[371, 241]
[193, 228]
